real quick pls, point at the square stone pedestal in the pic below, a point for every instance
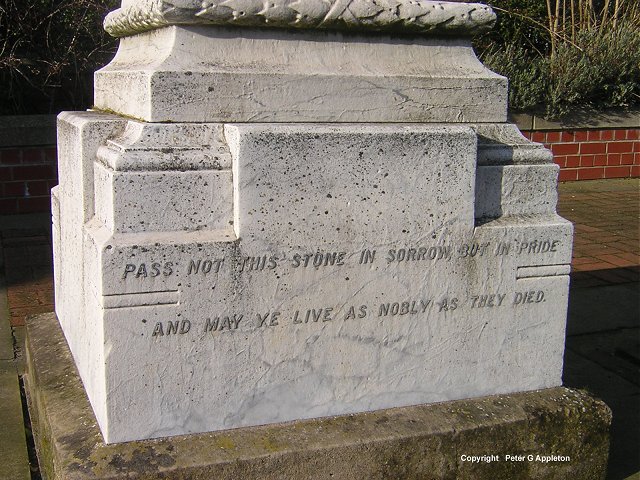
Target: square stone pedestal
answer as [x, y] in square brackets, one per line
[216, 276]
[556, 433]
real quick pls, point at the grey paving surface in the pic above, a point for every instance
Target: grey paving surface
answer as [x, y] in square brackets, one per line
[14, 461]
[603, 325]
[603, 356]
[622, 397]
[603, 308]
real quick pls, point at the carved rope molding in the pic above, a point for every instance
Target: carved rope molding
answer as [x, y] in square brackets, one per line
[408, 16]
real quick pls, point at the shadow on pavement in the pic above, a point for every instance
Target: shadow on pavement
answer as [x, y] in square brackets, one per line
[603, 356]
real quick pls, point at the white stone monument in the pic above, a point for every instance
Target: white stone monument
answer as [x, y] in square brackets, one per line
[294, 209]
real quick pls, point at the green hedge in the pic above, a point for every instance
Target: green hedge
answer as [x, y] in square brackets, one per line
[597, 69]
[49, 50]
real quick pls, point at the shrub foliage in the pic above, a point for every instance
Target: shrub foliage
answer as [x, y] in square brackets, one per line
[49, 50]
[560, 60]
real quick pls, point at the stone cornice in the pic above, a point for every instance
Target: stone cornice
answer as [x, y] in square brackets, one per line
[399, 16]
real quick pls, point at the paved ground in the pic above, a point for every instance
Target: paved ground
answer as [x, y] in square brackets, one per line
[605, 215]
[603, 331]
[603, 328]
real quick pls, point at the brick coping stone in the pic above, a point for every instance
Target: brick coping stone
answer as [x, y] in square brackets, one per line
[556, 433]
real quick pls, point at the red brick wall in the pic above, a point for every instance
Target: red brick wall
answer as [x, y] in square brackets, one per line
[27, 175]
[593, 154]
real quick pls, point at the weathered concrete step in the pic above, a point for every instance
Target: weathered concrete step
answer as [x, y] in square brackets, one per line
[420, 442]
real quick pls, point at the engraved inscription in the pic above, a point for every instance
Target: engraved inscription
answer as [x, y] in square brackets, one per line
[367, 256]
[473, 250]
[313, 315]
[353, 313]
[258, 263]
[144, 270]
[419, 308]
[403, 308]
[269, 319]
[537, 246]
[319, 259]
[205, 266]
[501, 249]
[402, 256]
[227, 322]
[174, 327]
[447, 304]
[532, 296]
[488, 300]
[439, 252]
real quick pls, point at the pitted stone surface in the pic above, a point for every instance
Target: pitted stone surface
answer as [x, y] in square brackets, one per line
[205, 74]
[359, 267]
[426, 17]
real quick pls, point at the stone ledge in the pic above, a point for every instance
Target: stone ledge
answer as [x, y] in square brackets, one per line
[614, 118]
[425, 441]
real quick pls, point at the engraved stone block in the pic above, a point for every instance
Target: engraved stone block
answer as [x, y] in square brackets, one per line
[352, 277]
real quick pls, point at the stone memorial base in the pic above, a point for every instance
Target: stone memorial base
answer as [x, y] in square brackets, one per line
[214, 276]
[552, 433]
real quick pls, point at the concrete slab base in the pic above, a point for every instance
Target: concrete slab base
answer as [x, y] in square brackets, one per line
[556, 433]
